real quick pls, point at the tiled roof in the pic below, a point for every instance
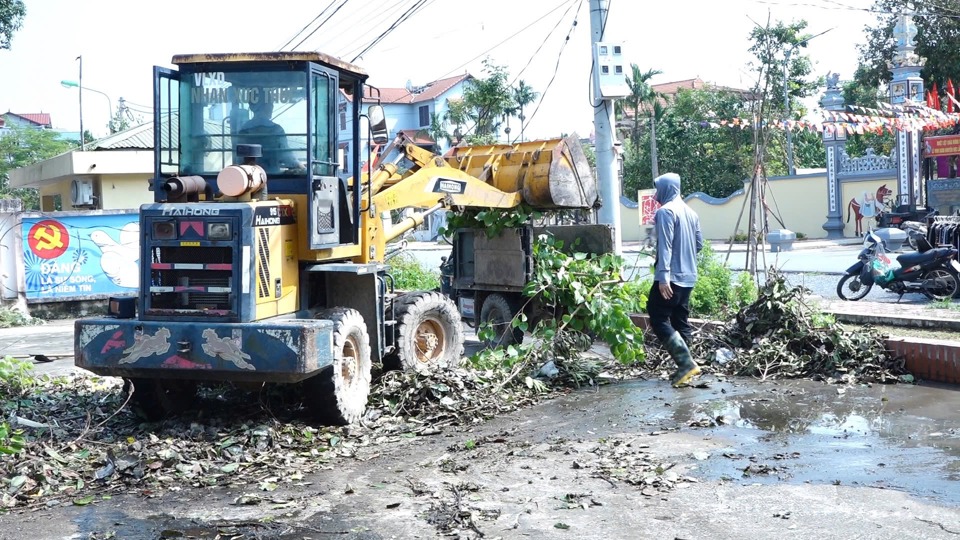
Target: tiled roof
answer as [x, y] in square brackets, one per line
[40, 119]
[427, 92]
[670, 89]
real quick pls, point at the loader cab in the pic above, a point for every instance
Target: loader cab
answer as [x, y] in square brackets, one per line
[287, 103]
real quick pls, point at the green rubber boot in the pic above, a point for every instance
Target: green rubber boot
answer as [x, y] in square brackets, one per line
[686, 367]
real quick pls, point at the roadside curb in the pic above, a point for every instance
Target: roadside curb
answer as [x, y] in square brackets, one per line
[895, 320]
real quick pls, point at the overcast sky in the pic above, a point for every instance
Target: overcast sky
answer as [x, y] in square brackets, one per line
[120, 42]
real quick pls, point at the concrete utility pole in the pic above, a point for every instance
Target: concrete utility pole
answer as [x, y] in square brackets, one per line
[605, 89]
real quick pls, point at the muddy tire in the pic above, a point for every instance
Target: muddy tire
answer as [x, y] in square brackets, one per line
[156, 399]
[940, 284]
[338, 394]
[499, 311]
[429, 333]
[851, 288]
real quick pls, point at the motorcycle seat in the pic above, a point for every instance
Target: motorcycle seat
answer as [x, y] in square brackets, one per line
[916, 257]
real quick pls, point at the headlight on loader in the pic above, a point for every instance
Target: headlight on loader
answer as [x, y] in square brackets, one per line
[218, 231]
[164, 230]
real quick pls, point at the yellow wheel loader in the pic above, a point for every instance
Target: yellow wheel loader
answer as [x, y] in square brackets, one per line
[261, 261]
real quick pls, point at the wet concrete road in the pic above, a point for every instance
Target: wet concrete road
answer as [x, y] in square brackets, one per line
[890, 437]
[798, 459]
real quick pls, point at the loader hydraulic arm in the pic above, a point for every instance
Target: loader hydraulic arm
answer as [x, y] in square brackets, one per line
[545, 174]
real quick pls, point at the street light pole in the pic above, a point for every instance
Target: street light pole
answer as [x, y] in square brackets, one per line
[71, 84]
[83, 142]
[786, 98]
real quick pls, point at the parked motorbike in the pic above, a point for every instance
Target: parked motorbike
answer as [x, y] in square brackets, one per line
[930, 271]
[915, 231]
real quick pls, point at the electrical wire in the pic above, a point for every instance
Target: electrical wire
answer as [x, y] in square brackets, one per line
[302, 30]
[314, 31]
[544, 42]
[844, 7]
[403, 18]
[508, 38]
[556, 68]
[347, 40]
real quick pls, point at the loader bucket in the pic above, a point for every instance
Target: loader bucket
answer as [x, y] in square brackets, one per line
[550, 173]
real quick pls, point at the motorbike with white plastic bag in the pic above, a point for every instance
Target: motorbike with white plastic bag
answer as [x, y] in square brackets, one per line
[930, 271]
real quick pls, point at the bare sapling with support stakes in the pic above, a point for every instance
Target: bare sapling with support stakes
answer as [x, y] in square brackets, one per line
[763, 118]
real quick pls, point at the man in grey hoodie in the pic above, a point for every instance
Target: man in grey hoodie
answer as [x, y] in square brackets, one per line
[679, 240]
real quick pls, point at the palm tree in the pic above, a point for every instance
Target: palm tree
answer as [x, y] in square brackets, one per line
[522, 95]
[643, 98]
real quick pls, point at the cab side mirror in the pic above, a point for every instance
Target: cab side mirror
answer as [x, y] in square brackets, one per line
[378, 124]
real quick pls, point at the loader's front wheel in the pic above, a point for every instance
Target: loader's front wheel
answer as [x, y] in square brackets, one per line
[338, 394]
[429, 332]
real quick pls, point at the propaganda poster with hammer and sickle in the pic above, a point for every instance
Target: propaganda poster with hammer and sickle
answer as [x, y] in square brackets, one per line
[81, 256]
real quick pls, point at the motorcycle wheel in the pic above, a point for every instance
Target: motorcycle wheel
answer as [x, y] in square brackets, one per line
[939, 284]
[850, 288]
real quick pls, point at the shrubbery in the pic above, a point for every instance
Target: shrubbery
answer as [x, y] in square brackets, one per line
[11, 317]
[717, 294]
[410, 275]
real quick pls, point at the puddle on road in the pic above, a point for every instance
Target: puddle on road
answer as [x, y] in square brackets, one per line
[894, 437]
[99, 521]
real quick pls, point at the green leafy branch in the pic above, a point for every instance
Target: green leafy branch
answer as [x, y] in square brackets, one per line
[490, 220]
[583, 297]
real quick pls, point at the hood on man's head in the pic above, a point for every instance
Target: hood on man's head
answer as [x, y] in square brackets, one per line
[668, 187]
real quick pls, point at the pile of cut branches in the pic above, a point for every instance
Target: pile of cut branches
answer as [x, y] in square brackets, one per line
[780, 336]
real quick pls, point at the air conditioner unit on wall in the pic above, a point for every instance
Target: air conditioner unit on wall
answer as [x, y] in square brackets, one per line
[81, 192]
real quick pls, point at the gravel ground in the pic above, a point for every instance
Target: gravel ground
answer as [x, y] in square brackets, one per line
[825, 286]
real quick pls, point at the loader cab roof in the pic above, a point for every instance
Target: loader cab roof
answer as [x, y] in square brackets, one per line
[273, 57]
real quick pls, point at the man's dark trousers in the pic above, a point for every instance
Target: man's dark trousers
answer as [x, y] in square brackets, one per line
[669, 315]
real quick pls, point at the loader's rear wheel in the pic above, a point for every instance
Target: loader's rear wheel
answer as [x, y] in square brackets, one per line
[338, 394]
[429, 332]
[156, 399]
[499, 311]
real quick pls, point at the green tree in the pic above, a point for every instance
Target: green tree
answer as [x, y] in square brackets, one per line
[437, 130]
[857, 92]
[20, 148]
[457, 115]
[486, 101]
[938, 42]
[642, 99]
[522, 95]
[123, 118]
[711, 157]
[775, 49]
[12, 13]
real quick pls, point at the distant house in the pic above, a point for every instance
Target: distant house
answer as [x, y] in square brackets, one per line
[409, 109]
[9, 121]
[112, 173]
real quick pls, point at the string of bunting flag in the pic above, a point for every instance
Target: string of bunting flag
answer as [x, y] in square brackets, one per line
[912, 116]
